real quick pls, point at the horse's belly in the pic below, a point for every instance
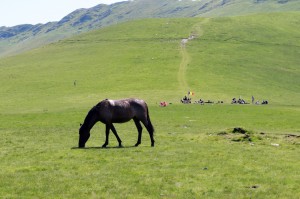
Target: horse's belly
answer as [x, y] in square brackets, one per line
[122, 115]
[120, 120]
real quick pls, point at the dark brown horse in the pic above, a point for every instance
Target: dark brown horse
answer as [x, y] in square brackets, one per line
[117, 111]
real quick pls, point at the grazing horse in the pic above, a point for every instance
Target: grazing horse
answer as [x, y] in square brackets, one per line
[116, 111]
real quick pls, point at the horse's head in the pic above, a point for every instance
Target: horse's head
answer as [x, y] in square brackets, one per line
[84, 135]
[89, 121]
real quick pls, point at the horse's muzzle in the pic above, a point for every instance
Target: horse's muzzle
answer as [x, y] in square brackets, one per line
[83, 139]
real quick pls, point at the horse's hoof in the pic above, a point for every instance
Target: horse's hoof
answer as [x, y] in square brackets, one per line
[104, 146]
[137, 144]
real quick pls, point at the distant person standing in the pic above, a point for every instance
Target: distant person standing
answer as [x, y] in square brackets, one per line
[252, 99]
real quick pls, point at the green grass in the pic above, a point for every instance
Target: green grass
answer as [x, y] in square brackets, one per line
[189, 159]
[41, 109]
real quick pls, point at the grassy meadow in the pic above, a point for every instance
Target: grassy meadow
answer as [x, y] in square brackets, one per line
[47, 92]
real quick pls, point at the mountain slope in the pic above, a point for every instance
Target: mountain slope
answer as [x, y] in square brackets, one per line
[14, 40]
[245, 56]
[228, 57]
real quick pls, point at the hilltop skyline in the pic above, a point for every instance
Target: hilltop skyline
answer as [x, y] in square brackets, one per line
[13, 12]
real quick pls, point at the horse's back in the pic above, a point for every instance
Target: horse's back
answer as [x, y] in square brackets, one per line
[127, 103]
[125, 109]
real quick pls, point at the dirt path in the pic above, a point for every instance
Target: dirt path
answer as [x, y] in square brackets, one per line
[185, 60]
[183, 85]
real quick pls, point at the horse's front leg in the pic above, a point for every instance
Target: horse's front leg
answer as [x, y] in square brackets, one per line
[107, 128]
[116, 134]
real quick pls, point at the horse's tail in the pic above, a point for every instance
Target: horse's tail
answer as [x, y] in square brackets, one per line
[150, 127]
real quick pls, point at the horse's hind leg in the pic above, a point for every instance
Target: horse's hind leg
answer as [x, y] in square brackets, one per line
[139, 128]
[116, 134]
[150, 129]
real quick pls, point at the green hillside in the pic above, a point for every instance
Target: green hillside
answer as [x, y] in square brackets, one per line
[252, 55]
[138, 58]
[256, 55]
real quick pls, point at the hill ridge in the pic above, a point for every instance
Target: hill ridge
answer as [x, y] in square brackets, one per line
[17, 39]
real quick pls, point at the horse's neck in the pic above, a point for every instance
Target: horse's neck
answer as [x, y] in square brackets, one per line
[90, 121]
[90, 124]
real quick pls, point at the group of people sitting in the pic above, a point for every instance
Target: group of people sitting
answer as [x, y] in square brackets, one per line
[201, 101]
[239, 101]
[186, 100]
[263, 102]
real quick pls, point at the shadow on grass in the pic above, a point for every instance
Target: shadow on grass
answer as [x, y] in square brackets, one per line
[105, 148]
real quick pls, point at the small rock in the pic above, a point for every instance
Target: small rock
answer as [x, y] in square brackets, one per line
[274, 144]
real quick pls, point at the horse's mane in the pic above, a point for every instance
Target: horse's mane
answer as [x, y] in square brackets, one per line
[89, 117]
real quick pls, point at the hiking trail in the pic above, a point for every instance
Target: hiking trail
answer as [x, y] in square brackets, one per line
[185, 60]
